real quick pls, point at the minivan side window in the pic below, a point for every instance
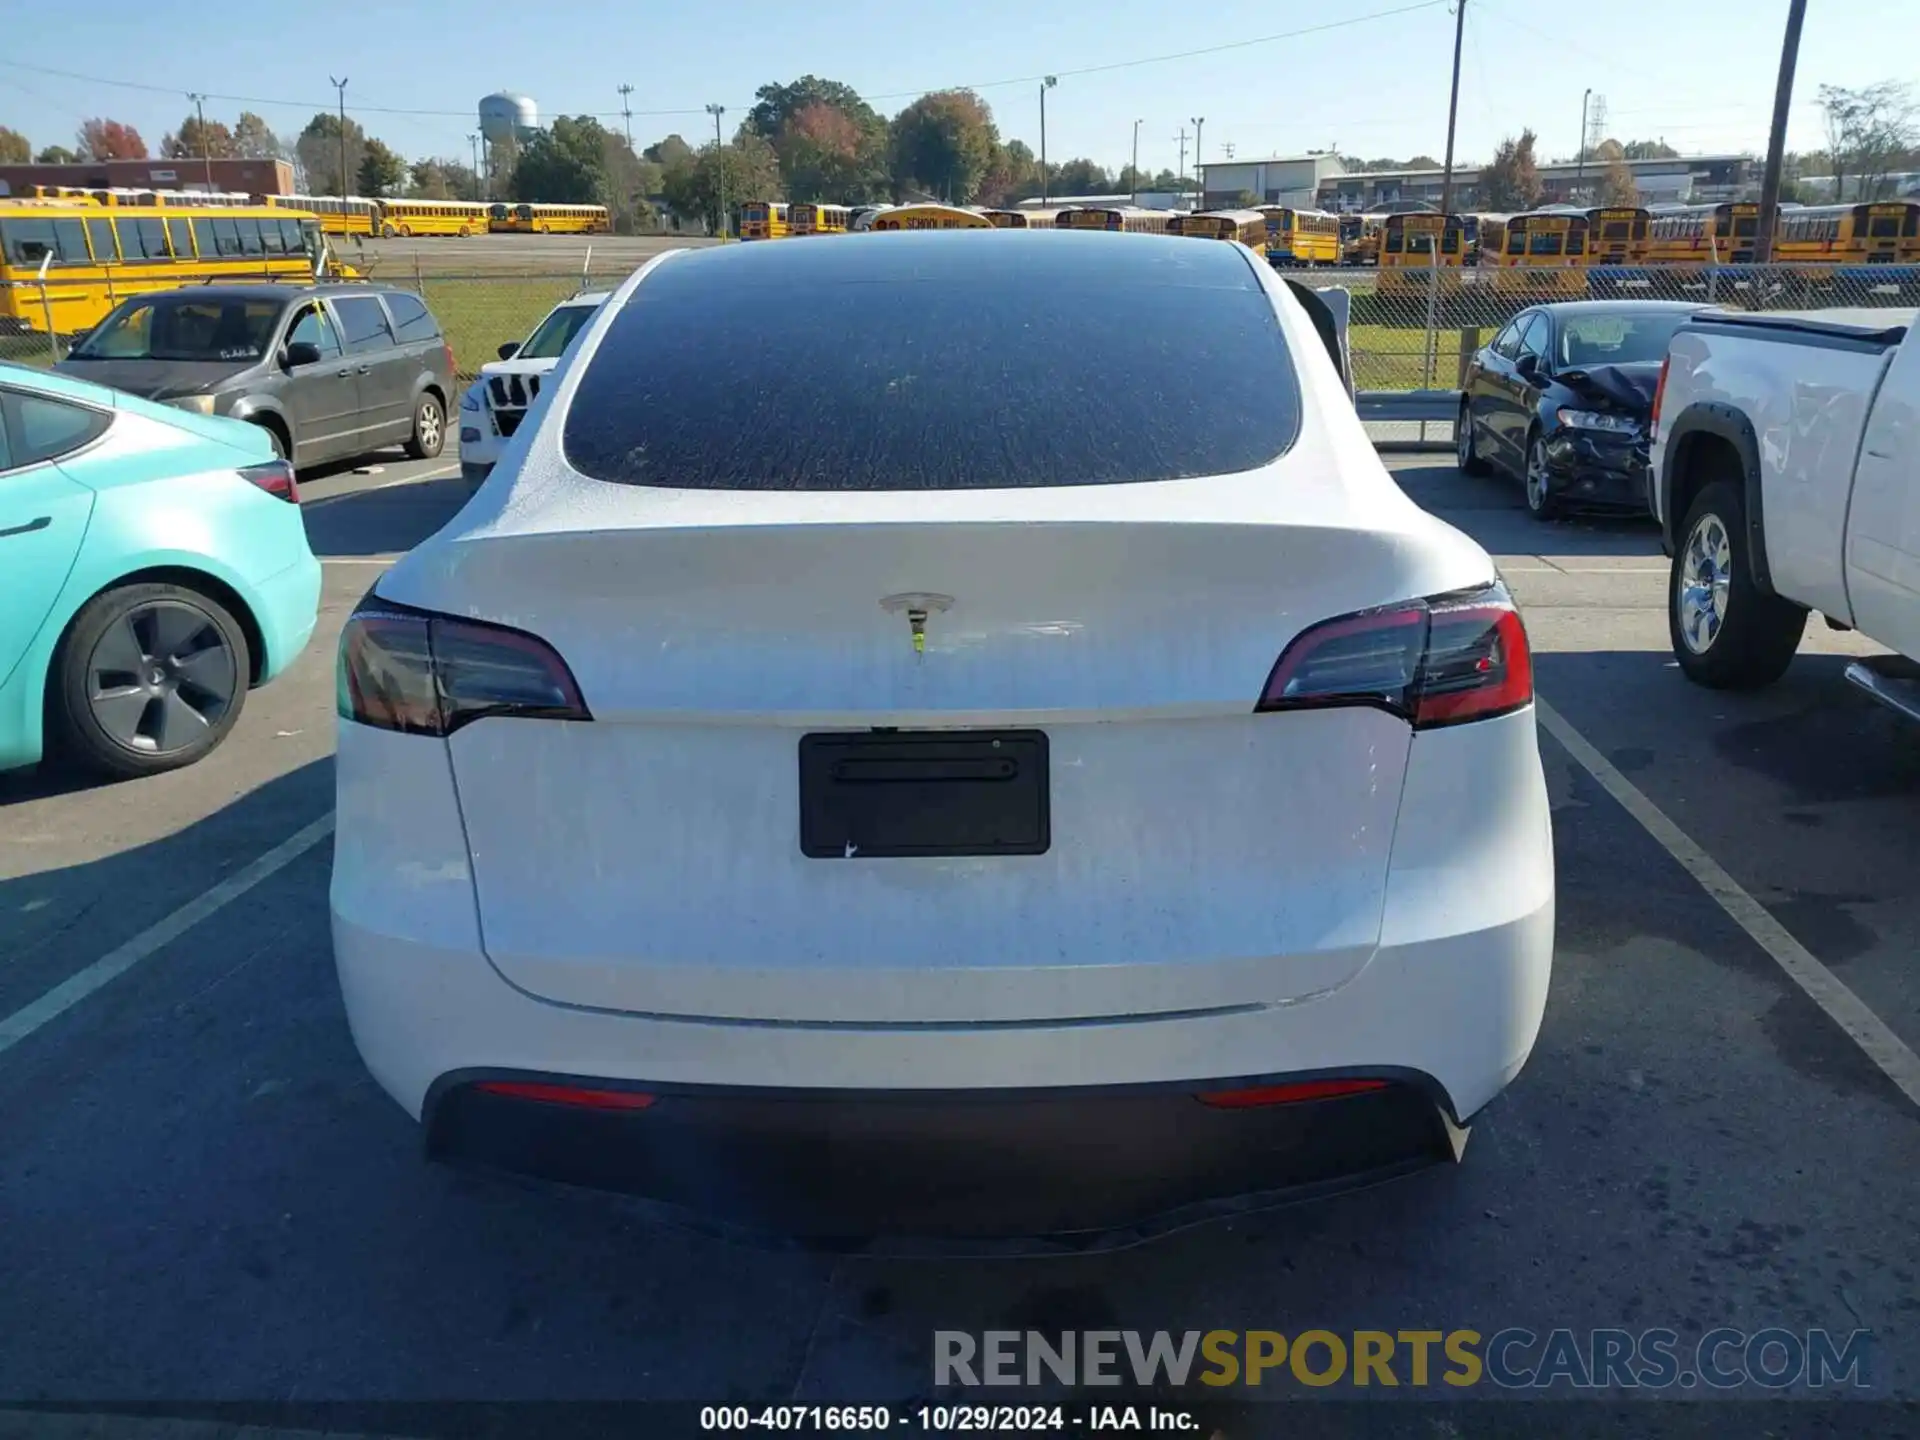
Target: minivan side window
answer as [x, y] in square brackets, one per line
[411, 320]
[363, 323]
[311, 328]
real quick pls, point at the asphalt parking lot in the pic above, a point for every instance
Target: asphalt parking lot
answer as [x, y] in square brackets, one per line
[203, 1197]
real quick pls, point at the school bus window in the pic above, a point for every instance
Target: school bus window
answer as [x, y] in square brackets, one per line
[150, 235]
[181, 237]
[1884, 228]
[1544, 242]
[270, 234]
[105, 252]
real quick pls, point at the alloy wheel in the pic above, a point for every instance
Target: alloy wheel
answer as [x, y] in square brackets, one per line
[161, 677]
[1706, 565]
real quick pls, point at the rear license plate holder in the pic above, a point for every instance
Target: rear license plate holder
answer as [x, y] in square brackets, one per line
[924, 792]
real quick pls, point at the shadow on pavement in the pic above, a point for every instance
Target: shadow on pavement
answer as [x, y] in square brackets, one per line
[1493, 510]
[58, 918]
[382, 522]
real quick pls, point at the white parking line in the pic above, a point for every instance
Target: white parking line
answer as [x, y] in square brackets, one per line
[116, 962]
[359, 559]
[1846, 1009]
[440, 473]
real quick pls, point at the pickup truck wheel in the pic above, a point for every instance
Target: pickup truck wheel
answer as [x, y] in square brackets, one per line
[1466, 448]
[1727, 634]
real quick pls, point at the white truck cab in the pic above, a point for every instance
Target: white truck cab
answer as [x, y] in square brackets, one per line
[496, 403]
[1786, 465]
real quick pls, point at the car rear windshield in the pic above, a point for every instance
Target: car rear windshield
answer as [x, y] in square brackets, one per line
[902, 363]
[184, 327]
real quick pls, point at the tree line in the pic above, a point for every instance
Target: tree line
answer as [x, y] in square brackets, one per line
[817, 140]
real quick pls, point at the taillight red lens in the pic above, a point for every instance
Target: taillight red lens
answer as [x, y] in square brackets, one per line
[1659, 393]
[1432, 662]
[427, 674]
[275, 477]
[1300, 1090]
[568, 1095]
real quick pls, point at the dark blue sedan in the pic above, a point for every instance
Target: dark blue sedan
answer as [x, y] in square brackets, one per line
[1561, 400]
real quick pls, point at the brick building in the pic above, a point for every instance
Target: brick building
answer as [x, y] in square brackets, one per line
[253, 177]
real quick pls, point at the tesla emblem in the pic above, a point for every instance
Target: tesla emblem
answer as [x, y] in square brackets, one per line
[917, 605]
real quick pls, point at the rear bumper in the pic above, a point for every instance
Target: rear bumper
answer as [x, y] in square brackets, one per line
[976, 1164]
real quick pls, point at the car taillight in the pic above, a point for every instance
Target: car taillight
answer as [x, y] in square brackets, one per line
[447, 346]
[276, 478]
[426, 674]
[1439, 661]
[1659, 393]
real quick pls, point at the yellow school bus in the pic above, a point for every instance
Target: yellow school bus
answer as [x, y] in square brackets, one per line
[1130, 219]
[338, 214]
[63, 266]
[1360, 239]
[1248, 227]
[1301, 237]
[432, 217]
[930, 217]
[1617, 234]
[765, 220]
[1883, 233]
[1543, 257]
[807, 219]
[536, 218]
[1419, 250]
[1024, 219]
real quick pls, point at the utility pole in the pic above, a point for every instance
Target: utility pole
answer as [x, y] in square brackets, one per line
[474, 141]
[1777, 137]
[1199, 124]
[1136, 162]
[1045, 85]
[626, 114]
[200, 109]
[1580, 156]
[1182, 138]
[1453, 111]
[341, 85]
[720, 163]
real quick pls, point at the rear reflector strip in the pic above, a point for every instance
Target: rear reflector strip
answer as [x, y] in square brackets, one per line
[1293, 1094]
[568, 1095]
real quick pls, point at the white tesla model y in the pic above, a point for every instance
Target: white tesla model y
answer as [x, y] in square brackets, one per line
[949, 732]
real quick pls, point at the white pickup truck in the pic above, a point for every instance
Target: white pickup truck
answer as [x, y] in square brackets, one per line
[1786, 477]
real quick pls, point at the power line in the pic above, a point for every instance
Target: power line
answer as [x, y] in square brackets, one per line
[1108, 68]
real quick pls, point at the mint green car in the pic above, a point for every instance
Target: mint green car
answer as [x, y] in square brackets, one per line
[153, 569]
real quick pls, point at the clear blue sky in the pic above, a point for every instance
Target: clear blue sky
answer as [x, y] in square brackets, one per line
[1700, 74]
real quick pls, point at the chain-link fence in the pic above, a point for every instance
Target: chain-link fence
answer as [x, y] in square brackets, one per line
[1412, 328]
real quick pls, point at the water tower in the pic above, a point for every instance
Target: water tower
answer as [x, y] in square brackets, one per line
[506, 118]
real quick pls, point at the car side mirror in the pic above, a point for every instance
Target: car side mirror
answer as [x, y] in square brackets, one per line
[1527, 367]
[302, 352]
[510, 349]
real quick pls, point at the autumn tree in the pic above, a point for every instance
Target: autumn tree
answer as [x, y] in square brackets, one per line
[194, 139]
[15, 148]
[381, 171]
[1617, 185]
[1511, 180]
[57, 155]
[253, 138]
[102, 139]
[318, 151]
[943, 144]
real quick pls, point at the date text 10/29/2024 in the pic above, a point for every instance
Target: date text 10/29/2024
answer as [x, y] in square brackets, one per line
[949, 1419]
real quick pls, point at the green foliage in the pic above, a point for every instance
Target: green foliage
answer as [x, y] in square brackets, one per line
[565, 164]
[943, 144]
[382, 172]
[15, 148]
[668, 152]
[57, 155]
[317, 151]
[1081, 177]
[777, 105]
[716, 180]
[1649, 150]
[1871, 132]
[253, 139]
